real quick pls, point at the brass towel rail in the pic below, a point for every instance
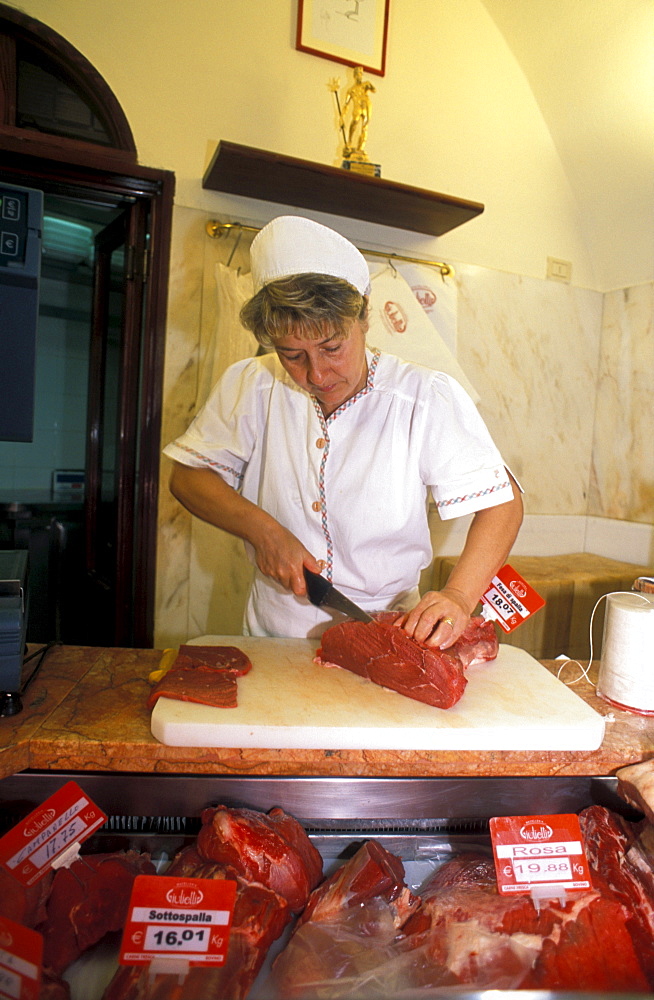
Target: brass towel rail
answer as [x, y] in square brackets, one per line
[217, 229]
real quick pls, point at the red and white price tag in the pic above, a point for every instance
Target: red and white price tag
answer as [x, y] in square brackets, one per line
[510, 600]
[542, 851]
[31, 847]
[21, 957]
[178, 918]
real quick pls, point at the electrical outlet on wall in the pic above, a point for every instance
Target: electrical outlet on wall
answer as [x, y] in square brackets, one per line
[559, 270]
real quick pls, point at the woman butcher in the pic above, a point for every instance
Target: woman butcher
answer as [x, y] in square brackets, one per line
[321, 453]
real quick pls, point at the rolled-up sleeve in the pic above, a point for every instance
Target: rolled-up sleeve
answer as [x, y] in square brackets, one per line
[223, 434]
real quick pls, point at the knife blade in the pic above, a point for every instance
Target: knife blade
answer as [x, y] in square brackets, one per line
[322, 593]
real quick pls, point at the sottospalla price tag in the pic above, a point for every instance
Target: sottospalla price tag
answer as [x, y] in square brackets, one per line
[541, 855]
[510, 600]
[21, 957]
[39, 842]
[174, 918]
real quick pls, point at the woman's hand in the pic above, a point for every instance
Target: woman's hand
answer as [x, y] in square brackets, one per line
[282, 557]
[438, 619]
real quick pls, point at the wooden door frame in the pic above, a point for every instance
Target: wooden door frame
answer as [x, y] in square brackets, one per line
[35, 163]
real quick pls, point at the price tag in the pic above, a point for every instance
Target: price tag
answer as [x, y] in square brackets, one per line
[21, 957]
[539, 851]
[178, 918]
[31, 847]
[510, 600]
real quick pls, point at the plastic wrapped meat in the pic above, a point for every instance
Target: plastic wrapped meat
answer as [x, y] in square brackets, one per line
[343, 941]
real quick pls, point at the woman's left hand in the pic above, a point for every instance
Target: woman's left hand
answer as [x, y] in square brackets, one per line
[438, 619]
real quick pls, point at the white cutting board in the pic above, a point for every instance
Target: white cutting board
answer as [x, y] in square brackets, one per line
[288, 701]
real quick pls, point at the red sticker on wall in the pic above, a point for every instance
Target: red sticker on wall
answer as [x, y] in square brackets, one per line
[35, 844]
[510, 600]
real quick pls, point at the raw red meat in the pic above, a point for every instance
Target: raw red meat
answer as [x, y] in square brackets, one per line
[622, 868]
[88, 900]
[221, 657]
[347, 929]
[260, 916]
[636, 786]
[386, 655]
[24, 903]
[271, 848]
[487, 940]
[203, 674]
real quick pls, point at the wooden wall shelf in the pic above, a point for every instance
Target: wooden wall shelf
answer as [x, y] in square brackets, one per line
[256, 173]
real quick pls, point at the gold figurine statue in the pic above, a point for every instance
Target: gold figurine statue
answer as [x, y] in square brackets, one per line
[358, 98]
[357, 102]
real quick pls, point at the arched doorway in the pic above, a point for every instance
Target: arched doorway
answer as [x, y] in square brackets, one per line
[106, 237]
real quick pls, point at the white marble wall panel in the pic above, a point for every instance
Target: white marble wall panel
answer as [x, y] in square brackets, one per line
[531, 348]
[622, 480]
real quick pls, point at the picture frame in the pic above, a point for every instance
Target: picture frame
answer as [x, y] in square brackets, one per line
[352, 32]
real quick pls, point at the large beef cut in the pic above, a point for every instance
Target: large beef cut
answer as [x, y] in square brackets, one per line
[270, 848]
[275, 867]
[623, 869]
[260, 916]
[203, 674]
[345, 934]
[386, 655]
[87, 901]
[476, 937]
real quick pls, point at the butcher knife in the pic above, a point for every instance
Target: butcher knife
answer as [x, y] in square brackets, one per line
[322, 593]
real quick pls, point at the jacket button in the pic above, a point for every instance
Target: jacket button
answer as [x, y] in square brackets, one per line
[316, 505]
[320, 443]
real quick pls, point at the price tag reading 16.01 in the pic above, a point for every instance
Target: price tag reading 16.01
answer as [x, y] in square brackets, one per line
[178, 918]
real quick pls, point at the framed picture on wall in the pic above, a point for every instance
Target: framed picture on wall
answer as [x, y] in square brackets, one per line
[353, 32]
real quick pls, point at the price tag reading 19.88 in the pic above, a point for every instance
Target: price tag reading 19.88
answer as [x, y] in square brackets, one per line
[546, 851]
[178, 918]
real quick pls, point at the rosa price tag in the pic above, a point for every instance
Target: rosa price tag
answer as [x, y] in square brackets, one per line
[186, 919]
[21, 957]
[541, 855]
[39, 841]
[510, 600]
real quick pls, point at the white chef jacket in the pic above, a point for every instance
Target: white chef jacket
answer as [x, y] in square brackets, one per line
[352, 487]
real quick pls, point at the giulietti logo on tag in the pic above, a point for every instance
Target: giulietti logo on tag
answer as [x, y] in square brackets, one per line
[185, 895]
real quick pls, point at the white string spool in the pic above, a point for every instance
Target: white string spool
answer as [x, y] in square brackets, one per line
[626, 674]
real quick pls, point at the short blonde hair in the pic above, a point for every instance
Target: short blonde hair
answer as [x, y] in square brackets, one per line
[309, 305]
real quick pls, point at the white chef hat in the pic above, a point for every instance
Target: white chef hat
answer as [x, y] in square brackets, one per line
[291, 244]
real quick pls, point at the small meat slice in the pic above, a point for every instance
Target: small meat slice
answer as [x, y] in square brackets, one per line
[87, 901]
[343, 940]
[201, 684]
[222, 657]
[270, 848]
[206, 675]
[260, 916]
[386, 655]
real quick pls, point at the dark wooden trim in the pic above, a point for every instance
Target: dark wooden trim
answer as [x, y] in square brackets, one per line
[7, 80]
[161, 209]
[286, 180]
[75, 69]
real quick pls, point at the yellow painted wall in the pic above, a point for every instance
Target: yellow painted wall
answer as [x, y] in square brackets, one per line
[453, 113]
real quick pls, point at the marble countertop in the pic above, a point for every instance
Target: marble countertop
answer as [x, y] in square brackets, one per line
[86, 710]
